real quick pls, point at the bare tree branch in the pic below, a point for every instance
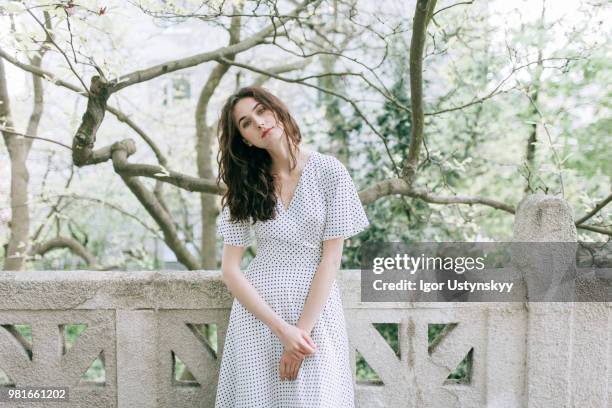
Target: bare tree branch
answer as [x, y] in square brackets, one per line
[453, 5]
[422, 14]
[281, 69]
[161, 216]
[64, 242]
[214, 13]
[171, 66]
[54, 208]
[74, 196]
[50, 39]
[400, 186]
[42, 73]
[5, 105]
[593, 228]
[595, 210]
[12, 132]
[496, 90]
[85, 137]
[556, 157]
[160, 173]
[122, 117]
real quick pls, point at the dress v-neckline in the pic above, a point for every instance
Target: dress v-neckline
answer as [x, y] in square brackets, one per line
[297, 187]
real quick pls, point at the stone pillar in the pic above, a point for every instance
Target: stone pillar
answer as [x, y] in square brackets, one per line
[137, 359]
[545, 219]
[544, 248]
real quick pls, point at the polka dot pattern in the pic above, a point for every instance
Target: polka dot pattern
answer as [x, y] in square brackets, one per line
[325, 205]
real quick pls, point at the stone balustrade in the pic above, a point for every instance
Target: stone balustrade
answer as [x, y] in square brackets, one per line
[139, 324]
[537, 354]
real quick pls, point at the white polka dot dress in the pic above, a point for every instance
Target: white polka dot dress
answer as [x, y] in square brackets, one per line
[325, 205]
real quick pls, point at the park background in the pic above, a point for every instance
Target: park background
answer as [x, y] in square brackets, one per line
[446, 114]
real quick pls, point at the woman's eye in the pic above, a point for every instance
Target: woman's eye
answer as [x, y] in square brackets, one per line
[262, 110]
[246, 123]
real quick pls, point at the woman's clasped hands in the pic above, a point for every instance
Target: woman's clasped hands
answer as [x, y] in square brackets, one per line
[297, 345]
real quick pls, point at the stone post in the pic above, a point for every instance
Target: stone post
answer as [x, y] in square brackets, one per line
[542, 219]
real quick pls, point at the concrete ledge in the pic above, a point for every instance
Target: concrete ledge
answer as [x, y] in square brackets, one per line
[89, 290]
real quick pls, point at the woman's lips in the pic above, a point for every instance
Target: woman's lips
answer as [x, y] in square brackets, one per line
[265, 133]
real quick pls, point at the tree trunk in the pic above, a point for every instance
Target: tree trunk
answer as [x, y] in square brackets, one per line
[339, 146]
[422, 15]
[204, 138]
[533, 105]
[208, 202]
[19, 149]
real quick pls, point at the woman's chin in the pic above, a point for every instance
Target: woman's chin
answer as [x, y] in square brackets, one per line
[272, 136]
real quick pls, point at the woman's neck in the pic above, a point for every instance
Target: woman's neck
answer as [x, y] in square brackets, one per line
[281, 159]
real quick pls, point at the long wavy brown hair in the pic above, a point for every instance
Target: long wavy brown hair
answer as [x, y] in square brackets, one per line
[246, 170]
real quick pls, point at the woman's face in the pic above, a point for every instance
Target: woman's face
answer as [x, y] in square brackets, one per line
[256, 123]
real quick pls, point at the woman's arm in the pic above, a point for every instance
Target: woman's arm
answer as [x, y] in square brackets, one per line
[321, 283]
[295, 340]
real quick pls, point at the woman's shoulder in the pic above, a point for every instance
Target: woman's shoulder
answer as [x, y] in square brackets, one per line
[329, 164]
[330, 172]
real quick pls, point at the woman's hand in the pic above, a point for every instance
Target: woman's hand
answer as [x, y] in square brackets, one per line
[296, 342]
[288, 367]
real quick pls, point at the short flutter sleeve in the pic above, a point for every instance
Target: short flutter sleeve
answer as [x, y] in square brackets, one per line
[233, 233]
[345, 216]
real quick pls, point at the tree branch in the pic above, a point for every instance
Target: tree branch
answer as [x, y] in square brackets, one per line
[496, 90]
[157, 212]
[12, 132]
[593, 228]
[281, 69]
[85, 137]
[42, 73]
[64, 242]
[110, 205]
[595, 210]
[452, 5]
[122, 117]
[50, 39]
[171, 66]
[6, 121]
[400, 186]
[422, 14]
[160, 173]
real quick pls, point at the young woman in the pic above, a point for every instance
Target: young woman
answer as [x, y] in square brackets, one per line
[286, 345]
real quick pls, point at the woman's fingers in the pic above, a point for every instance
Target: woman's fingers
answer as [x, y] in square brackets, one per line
[287, 370]
[306, 348]
[292, 372]
[296, 370]
[301, 350]
[310, 341]
[289, 367]
[284, 368]
[296, 355]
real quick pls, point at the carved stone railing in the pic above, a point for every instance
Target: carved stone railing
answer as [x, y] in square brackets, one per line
[140, 324]
[542, 355]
